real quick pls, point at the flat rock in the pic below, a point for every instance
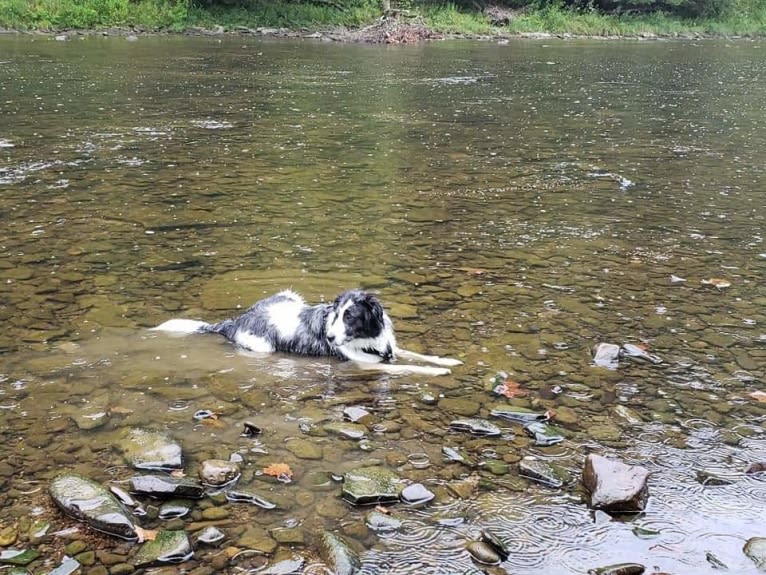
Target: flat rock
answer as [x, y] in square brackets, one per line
[167, 547]
[338, 554]
[151, 450]
[755, 549]
[370, 485]
[92, 503]
[615, 486]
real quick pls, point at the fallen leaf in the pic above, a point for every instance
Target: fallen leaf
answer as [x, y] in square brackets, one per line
[759, 396]
[281, 471]
[720, 283]
[118, 409]
[509, 388]
[145, 534]
[381, 509]
[177, 473]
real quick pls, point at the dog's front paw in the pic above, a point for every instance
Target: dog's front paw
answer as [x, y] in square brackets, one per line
[449, 361]
[438, 371]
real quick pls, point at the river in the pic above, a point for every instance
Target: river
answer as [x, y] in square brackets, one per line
[513, 205]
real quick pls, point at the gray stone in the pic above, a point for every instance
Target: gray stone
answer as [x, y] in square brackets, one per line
[755, 549]
[151, 450]
[93, 504]
[338, 554]
[615, 486]
[167, 547]
[370, 485]
[217, 472]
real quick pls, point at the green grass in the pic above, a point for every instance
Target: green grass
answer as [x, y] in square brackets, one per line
[748, 17]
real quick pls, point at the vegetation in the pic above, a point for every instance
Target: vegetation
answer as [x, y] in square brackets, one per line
[586, 17]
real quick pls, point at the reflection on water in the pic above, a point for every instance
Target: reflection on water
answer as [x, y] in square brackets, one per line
[512, 205]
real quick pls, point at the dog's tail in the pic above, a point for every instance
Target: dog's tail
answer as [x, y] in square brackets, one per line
[183, 326]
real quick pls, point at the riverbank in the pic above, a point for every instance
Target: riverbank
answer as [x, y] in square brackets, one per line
[361, 25]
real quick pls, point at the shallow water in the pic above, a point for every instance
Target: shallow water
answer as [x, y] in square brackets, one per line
[512, 205]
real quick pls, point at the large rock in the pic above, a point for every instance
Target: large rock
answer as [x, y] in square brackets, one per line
[92, 503]
[338, 554]
[371, 485]
[755, 548]
[615, 486]
[151, 450]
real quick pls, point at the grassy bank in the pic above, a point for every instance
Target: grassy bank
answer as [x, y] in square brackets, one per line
[749, 18]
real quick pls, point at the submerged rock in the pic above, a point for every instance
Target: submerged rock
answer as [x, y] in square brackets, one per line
[167, 547]
[475, 426]
[93, 504]
[543, 434]
[151, 450]
[346, 429]
[458, 454]
[381, 522]
[18, 556]
[164, 486]
[618, 569]
[370, 485]
[497, 544]
[606, 355]
[543, 472]
[210, 535]
[416, 495]
[241, 496]
[520, 414]
[338, 554]
[173, 509]
[67, 566]
[483, 553]
[755, 549]
[287, 566]
[218, 472]
[635, 352]
[615, 486]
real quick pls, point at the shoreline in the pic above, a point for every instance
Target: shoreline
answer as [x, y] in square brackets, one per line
[357, 36]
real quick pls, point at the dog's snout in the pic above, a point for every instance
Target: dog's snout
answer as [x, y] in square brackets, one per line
[331, 337]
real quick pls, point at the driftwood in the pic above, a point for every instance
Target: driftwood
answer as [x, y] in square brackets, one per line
[397, 28]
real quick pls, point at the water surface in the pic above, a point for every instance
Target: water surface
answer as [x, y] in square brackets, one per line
[512, 205]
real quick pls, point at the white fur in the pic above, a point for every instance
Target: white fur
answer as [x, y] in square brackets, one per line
[180, 326]
[336, 329]
[285, 315]
[253, 342]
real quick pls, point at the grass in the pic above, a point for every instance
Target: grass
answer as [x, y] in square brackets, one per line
[747, 18]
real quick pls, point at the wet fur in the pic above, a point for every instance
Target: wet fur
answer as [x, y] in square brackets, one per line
[354, 327]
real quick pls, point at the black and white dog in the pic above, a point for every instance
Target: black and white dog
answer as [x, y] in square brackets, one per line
[354, 327]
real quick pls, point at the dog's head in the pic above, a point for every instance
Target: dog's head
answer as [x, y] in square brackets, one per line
[354, 315]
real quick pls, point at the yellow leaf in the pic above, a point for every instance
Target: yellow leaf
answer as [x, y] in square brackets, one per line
[145, 534]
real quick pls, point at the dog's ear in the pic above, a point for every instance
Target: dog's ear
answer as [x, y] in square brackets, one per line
[372, 303]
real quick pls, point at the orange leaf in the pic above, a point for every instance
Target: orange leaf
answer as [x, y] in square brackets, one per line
[145, 534]
[510, 388]
[178, 473]
[281, 471]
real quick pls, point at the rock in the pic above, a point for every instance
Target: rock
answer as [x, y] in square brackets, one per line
[483, 553]
[258, 539]
[286, 566]
[346, 429]
[370, 485]
[304, 449]
[475, 426]
[498, 545]
[459, 406]
[168, 487]
[356, 414]
[93, 504]
[520, 414]
[218, 472]
[544, 434]
[464, 488]
[543, 472]
[416, 495]
[174, 509]
[210, 536]
[614, 486]
[18, 556]
[606, 355]
[8, 535]
[338, 554]
[167, 547]
[151, 450]
[755, 549]
[757, 467]
[618, 569]
[382, 522]
[69, 565]
[458, 454]
[241, 496]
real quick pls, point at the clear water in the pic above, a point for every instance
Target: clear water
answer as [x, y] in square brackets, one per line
[512, 205]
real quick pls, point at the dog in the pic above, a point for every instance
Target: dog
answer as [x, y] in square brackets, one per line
[353, 328]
